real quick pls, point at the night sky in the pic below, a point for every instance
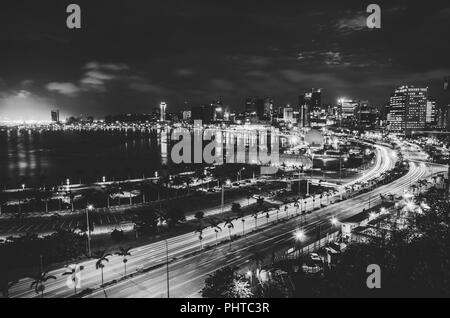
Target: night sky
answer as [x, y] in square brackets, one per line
[129, 55]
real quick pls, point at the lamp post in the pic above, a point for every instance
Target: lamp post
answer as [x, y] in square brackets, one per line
[90, 207]
[299, 235]
[167, 268]
[334, 221]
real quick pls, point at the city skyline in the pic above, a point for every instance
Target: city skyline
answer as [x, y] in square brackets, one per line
[259, 49]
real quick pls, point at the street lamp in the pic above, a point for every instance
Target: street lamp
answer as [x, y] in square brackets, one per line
[334, 221]
[299, 235]
[90, 207]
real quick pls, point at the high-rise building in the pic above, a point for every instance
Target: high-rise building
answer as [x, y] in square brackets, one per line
[55, 115]
[250, 106]
[430, 117]
[307, 102]
[368, 117]
[408, 109]
[348, 107]
[268, 108]
[288, 114]
[259, 105]
[162, 107]
[187, 114]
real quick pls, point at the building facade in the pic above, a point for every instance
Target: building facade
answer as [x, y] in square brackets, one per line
[408, 110]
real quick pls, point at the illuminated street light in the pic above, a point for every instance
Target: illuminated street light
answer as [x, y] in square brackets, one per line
[334, 221]
[299, 235]
[90, 207]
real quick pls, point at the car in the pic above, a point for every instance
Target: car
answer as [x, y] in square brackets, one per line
[315, 257]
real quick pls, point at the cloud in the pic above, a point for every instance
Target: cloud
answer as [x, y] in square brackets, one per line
[183, 72]
[332, 58]
[115, 67]
[144, 87]
[351, 24]
[97, 77]
[68, 89]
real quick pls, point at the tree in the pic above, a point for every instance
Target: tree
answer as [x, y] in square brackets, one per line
[200, 236]
[215, 225]
[199, 216]
[72, 271]
[174, 216]
[219, 284]
[255, 216]
[124, 252]
[260, 202]
[239, 288]
[235, 207]
[101, 257]
[38, 282]
[117, 236]
[146, 222]
[230, 225]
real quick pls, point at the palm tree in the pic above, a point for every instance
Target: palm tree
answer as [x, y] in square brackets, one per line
[230, 225]
[215, 225]
[124, 252]
[243, 223]
[72, 271]
[255, 216]
[200, 237]
[199, 216]
[39, 280]
[101, 256]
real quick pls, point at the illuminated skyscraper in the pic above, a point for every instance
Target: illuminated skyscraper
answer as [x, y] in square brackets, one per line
[307, 103]
[408, 109]
[162, 107]
[55, 115]
[431, 114]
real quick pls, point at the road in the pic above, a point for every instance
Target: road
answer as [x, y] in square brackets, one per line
[187, 273]
[153, 254]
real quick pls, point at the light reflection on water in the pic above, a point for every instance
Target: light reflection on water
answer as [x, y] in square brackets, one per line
[50, 157]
